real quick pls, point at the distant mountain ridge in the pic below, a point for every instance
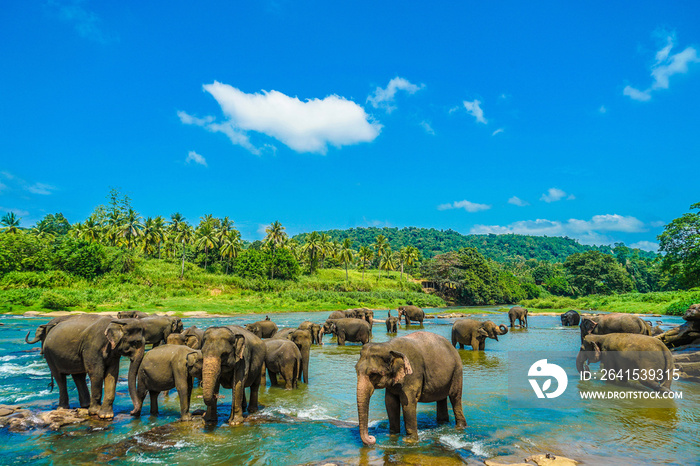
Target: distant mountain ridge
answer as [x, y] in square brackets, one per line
[501, 248]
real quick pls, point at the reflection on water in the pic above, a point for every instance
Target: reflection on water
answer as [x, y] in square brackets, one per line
[318, 422]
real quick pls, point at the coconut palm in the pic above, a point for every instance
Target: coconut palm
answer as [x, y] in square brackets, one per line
[276, 238]
[42, 230]
[381, 245]
[388, 261]
[11, 223]
[159, 232]
[185, 236]
[230, 246]
[113, 223]
[324, 242]
[365, 255]
[408, 255]
[312, 247]
[131, 227]
[206, 236]
[346, 254]
[91, 230]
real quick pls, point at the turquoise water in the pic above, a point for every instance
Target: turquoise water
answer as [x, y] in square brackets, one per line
[318, 423]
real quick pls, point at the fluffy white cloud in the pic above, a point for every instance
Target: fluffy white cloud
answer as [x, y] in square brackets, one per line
[666, 65]
[474, 109]
[498, 131]
[587, 231]
[303, 126]
[192, 156]
[384, 98]
[466, 205]
[40, 188]
[515, 200]
[645, 245]
[18, 183]
[556, 194]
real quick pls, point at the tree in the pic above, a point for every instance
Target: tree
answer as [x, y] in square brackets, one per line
[181, 233]
[52, 225]
[206, 236]
[381, 245]
[11, 222]
[680, 241]
[594, 272]
[408, 255]
[312, 248]
[387, 262]
[325, 248]
[346, 254]
[131, 227]
[230, 246]
[365, 257]
[276, 237]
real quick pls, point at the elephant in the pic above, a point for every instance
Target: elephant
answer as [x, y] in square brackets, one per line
[164, 368]
[131, 315]
[233, 358]
[316, 335]
[191, 337]
[570, 318]
[348, 330]
[410, 313]
[519, 313]
[474, 333]
[420, 367]
[301, 338]
[613, 323]
[654, 330]
[626, 352]
[349, 314]
[92, 345]
[156, 329]
[392, 324]
[283, 357]
[44, 329]
[262, 329]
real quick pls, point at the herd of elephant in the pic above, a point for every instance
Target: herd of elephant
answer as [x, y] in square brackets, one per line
[418, 367]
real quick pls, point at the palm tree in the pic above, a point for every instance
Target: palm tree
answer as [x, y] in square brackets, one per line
[230, 246]
[407, 255]
[11, 222]
[206, 237]
[112, 228]
[387, 262]
[42, 230]
[365, 256]
[159, 232]
[381, 245]
[90, 230]
[185, 236]
[324, 242]
[131, 227]
[148, 243]
[346, 254]
[276, 237]
[312, 246]
[177, 222]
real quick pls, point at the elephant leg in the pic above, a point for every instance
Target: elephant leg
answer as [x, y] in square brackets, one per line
[154, 402]
[110, 390]
[461, 346]
[341, 339]
[140, 396]
[273, 377]
[442, 415]
[475, 344]
[237, 401]
[253, 405]
[393, 410]
[182, 387]
[83, 392]
[96, 383]
[410, 421]
[482, 345]
[456, 402]
[212, 415]
[62, 383]
[288, 375]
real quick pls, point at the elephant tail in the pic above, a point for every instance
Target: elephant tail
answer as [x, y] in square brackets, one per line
[51, 384]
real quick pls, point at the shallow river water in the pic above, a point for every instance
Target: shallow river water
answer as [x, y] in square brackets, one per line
[317, 423]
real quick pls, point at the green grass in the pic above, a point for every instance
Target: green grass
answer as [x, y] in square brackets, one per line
[155, 286]
[662, 302]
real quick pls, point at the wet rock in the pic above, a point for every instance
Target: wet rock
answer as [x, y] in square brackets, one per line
[18, 419]
[693, 313]
[686, 334]
[54, 420]
[546, 459]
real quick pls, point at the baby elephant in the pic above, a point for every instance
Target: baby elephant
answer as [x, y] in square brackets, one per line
[283, 357]
[392, 324]
[164, 368]
[262, 328]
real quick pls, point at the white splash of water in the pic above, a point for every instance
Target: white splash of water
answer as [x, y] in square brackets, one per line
[32, 395]
[36, 368]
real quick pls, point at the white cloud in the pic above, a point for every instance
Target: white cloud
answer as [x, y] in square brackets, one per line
[498, 131]
[426, 126]
[587, 231]
[384, 98]
[40, 188]
[192, 156]
[657, 223]
[645, 245]
[86, 23]
[308, 126]
[17, 212]
[556, 194]
[474, 109]
[13, 183]
[666, 65]
[515, 200]
[466, 205]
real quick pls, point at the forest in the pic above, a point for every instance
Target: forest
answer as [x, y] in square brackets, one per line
[117, 258]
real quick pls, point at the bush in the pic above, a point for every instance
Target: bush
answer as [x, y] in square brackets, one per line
[55, 301]
[678, 308]
[52, 279]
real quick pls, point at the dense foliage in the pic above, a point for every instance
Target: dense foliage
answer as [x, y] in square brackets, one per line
[680, 241]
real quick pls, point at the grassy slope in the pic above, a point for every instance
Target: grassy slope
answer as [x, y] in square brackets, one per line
[155, 286]
[675, 302]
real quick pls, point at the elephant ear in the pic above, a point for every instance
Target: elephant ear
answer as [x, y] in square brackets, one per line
[192, 341]
[596, 347]
[114, 333]
[400, 366]
[239, 346]
[482, 333]
[590, 326]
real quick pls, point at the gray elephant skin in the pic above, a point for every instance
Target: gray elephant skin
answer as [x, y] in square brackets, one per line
[92, 345]
[613, 323]
[315, 329]
[263, 328]
[517, 313]
[570, 318]
[164, 368]
[191, 337]
[284, 358]
[156, 329]
[351, 330]
[302, 339]
[420, 367]
[234, 359]
[411, 313]
[132, 315]
[392, 324]
[474, 333]
[629, 351]
[43, 330]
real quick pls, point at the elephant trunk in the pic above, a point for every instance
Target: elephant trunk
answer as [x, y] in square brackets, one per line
[503, 329]
[364, 393]
[211, 369]
[33, 341]
[305, 354]
[581, 360]
[133, 372]
[319, 337]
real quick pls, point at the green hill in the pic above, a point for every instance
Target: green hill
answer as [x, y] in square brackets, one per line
[502, 248]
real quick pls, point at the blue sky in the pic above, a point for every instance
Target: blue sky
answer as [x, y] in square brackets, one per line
[552, 118]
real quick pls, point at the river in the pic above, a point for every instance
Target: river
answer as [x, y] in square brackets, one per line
[317, 423]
